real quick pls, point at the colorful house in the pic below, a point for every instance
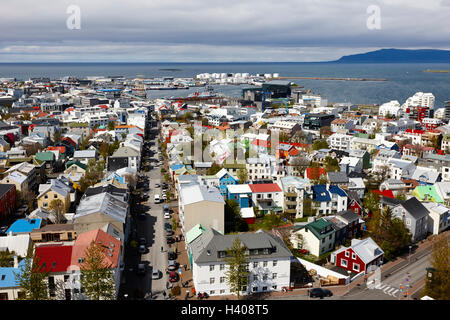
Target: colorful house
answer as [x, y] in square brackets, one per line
[225, 179]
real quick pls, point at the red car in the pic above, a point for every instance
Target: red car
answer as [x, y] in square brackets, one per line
[173, 277]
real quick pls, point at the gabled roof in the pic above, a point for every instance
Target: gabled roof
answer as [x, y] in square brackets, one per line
[415, 208]
[103, 203]
[110, 244]
[320, 193]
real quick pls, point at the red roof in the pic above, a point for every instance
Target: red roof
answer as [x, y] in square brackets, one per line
[56, 257]
[415, 131]
[265, 187]
[385, 193]
[61, 149]
[315, 173]
[261, 143]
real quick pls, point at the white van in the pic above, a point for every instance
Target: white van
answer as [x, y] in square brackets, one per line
[157, 199]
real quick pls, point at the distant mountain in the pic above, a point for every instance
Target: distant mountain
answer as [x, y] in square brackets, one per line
[399, 56]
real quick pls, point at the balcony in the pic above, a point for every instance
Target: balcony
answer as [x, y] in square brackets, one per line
[290, 194]
[290, 211]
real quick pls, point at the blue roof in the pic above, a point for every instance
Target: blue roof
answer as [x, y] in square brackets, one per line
[25, 225]
[337, 190]
[177, 166]
[7, 277]
[321, 193]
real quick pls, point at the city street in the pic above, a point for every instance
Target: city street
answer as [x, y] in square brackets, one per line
[150, 226]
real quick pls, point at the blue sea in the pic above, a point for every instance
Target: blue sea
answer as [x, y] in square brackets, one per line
[404, 79]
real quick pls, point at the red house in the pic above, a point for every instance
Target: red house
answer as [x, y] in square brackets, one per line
[354, 203]
[7, 200]
[362, 256]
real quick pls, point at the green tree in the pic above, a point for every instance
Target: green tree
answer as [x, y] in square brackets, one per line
[371, 202]
[319, 144]
[236, 273]
[31, 278]
[390, 233]
[331, 164]
[233, 219]
[57, 207]
[97, 278]
[213, 169]
[7, 258]
[437, 285]
[242, 175]
[111, 126]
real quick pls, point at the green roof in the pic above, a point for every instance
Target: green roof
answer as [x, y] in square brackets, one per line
[362, 135]
[78, 163]
[427, 193]
[45, 156]
[194, 233]
[318, 225]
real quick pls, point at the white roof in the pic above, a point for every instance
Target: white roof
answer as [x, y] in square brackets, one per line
[196, 193]
[239, 188]
[85, 154]
[247, 213]
[366, 249]
[17, 243]
[17, 177]
[356, 183]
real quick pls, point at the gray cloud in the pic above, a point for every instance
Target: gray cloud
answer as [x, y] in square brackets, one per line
[200, 29]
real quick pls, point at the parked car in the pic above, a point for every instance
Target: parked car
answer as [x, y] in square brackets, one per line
[173, 265]
[142, 215]
[3, 230]
[155, 274]
[142, 241]
[173, 276]
[141, 269]
[319, 293]
[157, 198]
[167, 226]
[170, 240]
[169, 233]
[157, 185]
[142, 249]
[172, 255]
[166, 215]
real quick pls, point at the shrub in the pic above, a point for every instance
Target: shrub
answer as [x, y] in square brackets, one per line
[175, 291]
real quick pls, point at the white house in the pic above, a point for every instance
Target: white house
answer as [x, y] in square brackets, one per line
[268, 262]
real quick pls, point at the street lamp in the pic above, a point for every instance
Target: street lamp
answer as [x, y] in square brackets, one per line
[409, 255]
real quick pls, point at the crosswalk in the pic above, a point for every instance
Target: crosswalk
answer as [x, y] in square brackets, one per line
[387, 289]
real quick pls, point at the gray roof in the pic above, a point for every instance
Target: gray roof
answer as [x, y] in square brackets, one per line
[104, 203]
[338, 177]
[348, 215]
[125, 152]
[206, 247]
[85, 154]
[415, 208]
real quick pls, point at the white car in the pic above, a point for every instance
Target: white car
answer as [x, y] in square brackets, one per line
[166, 215]
[157, 198]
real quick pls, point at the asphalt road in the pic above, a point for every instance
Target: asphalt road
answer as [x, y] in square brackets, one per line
[152, 229]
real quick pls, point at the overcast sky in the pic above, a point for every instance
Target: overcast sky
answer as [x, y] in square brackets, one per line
[213, 30]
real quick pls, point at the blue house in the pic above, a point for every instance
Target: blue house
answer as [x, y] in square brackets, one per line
[241, 193]
[9, 288]
[225, 179]
[329, 199]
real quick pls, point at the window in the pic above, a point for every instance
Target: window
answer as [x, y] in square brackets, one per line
[344, 262]
[264, 289]
[222, 279]
[255, 289]
[244, 288]
[274, 263]
[222, 291]
[211, 280]
[255, 277]
[274, 275]
[274, 287]
[264, 277]
[356, 267]
[353, 256]
[264, 263]
[212, 292]
[222, 267]
[255, 264]
[211, 267]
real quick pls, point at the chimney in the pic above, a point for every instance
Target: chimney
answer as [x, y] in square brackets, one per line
[16, 262]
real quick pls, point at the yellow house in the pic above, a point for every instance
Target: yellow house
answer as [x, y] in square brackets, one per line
[55, 190]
